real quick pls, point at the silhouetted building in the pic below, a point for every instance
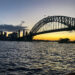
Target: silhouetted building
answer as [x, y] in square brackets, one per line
[12, 36]
[18, 33]
[26, 33]
[1, 33]
[23, 32]
[5, 34]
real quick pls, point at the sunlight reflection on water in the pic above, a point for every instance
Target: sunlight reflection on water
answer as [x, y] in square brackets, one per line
[40, 58]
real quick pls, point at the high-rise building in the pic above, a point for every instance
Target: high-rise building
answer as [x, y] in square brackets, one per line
[19, 33]
[23, 32]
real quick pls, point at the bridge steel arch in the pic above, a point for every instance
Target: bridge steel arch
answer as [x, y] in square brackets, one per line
[68, 21]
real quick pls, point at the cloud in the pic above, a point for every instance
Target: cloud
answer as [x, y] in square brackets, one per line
[6, 27]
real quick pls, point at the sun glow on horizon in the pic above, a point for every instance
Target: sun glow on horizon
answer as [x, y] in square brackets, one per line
[55, 36]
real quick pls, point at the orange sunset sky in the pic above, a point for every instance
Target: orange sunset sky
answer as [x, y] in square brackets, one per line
[56, 36]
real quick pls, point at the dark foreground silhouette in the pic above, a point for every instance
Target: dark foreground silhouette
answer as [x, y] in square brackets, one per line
[66, 40]
[71, 74]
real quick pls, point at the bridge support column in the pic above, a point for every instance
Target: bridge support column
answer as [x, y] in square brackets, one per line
[29, 37]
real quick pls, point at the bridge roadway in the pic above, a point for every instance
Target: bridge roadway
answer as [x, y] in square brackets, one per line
[56, 30]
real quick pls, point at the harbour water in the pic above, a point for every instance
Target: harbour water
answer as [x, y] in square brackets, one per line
[36, 58]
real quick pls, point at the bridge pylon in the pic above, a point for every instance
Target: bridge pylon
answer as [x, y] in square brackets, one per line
[29, 37]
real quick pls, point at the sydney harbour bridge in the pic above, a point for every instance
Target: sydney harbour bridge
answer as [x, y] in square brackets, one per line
[53, 24]
[46, 25]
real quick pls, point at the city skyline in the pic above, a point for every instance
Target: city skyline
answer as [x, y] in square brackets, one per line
[31, 11]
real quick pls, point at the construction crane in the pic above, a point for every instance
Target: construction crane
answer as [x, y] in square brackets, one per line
[21, 23]
[24, 30]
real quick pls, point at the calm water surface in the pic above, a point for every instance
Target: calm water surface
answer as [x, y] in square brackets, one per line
[36, 58]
